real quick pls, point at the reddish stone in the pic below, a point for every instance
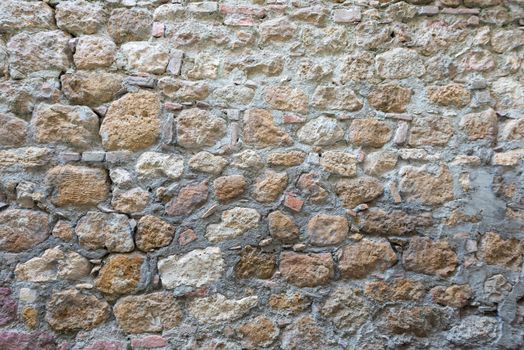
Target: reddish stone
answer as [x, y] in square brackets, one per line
[7, 307]
[106, 345]
[293, 119]
[188, 200]
[187, 237]
[12, 340]
[293, 202]
[149, 342]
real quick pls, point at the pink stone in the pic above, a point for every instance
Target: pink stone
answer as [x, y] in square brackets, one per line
[106, 345]
[239, 20]
[293, 202]
[349, 15]
[293, 119]
[149, 342]
[243, 10]
[158, 29]
[7, 306]
[187, 237]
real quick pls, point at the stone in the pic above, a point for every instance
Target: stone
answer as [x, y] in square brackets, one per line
[512, 130]
[14, 130]
[261, 331]
[304, 333]
[430, 188]
[509, 158]
[130, 24]
[429, 257]
[419, 321]
[260, 129]
[54, 264]
[70, 310]
[143, 56]
[346, 308]
[153, 165]
[30, 317]
[22, 229]
[369, 132]
[187, 237]
[41, 51]
[337, 98]
[91, 88]
[277, 29]
[198, 268]
[292, 303]
[495, 250]
[78, 185]
[7, 306]
[339, 163]
[449, 95]
[483, 125]
[254, 263]
[22, 159]
[207, 163]
[455, 295]
[353, 192]
[306, 270]
[132, 122]
[217, 309]
[105, 345]
[148, 342]
[189, 199]
[325, 229]
[247, 159]
[122, 274]
[15, 340]
[80, 17]
[352, 14]
[390, 98]
[293, 202]
[233, 96]
[506, 40]
[130, 201]
[359, 259]
[380, 162]
[197, 128]
[183, 90]
[316, 15]
[235, 222]
[392, 223]
[282, 226]
[474, 330]
[400, 289]
[147, 313]
[287, 159]
[481, 3]
[76, 126]
[434, 131]
[20, 15]
[310, 185]
[93, 52]
[229, 187]
[97, 230]
[321, 131]
[205, 66]
[399, 63]
[286, 98]
[270, 186]
[497, 288]
[153, 233]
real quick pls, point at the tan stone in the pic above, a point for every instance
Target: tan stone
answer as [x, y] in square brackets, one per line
[94, 52]
[353, 192]
[359, 259]
[235, 222]
[427, 187]
[270, 186]
[189, 199]
[153, 232]
[325, 229]
[132, 122]
[121, 274]
[91, 88]
[304, 333]
[429, 257]
[261, 331]
[282, 226]
[420, 321]
[483, 125]
[400, 289]
[207, 163]
[130, 201]
[434, 131]
[399, 63]
[286, 98]
[155, 165]
[390, 98]
[229, 187]
[22, 229]
[321, 131]
[339, 163]
[21, 159]
[14, 130]
[132, 24]
[288, 159]
[277, 29]
[378, 163]
[512, 130]
[217, 309]
[111, 231]
[369, 132]
[306, 270]
[346, 308]
[78, 185]
[183, 90]
[80, 17]
[63, 230]
[289, 303]
[197, 128]
[392, 223]
[495, 250]
[509, 158]
[310, 185]
[456, 295]
[337, 98]
[449, 95]
[260, 129]
[254, 263]
[248, 159]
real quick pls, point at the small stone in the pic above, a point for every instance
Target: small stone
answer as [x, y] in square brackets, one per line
[22, 229]
[322, 131]
[337, 98]
[474, 330]
[207, 163]
[233, 95]
[339, 163]
[30, 317]
[94, 156]
[293, 202]
[455, 295]
[286, 98]
[449, 95]
[359, 259]
[198, 268]
[495, 250]
[399, 290]
[346, 308]
[254, 263]
[260, 129]
[217, 309]
[431, 188]
[325, 230]
[14, 130]
[189, 199]
[130, 201]
[71, 310]
[369, 132]
[7, 306]
[261, 331]
[152, 233]
[270, 186]
[143, 56]
[436, 131]
[428, 257]
[197, 128]
[121, 274]
[130, 24]
[287, 159]
[306, 270]
[390, 98]
[80, 17]
[106, 345]
[399, 63]
[357, 191]
[154, 165]
[94, 52]
[148, 342]
[483, 125]
[91, 88]
[229, 187]
[509, 158]
[235, 222]
[282, 227]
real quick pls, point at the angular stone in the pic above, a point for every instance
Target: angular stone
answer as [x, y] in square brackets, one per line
[509, 158]
[304, 333]
[197, 128]
[71, 310]
[292, 303]
[235, 222]
[506, 40]
[455, 295]
[153, 232]
[435, 131]
[346, 308]
[14, 130]
[132, 122]
[399, 63]
[130, 201]
[189, 199]
[207, 163]
[306, 270]
[78, 185]
[316, 15]
[199, 267]
[261, 331]
[229, 187]
[495, 250]
[449, 95]
[143, 56]
[7, 307]
[80, 17]
[392, 223]
[183, 90]
[106, 345]
[512, 130]
[325, 229]
[277, 29]
[97, 230]
[282, 227]
[359, 259]
[233, 96]
[430, 188]
[21, 159]
[390, 98]
[130, 24]
[254, 263]
[339, 163]
[22, 229]
[270, 186]
[93, 52]
[400, 289]
[426, 256]
[322, 131]
[152, 165]
[260, 129]
[369, 132]
[337, 98]
[357, 191]
[147, 313]
[378, 163]
[497, 288]
[248, 159]
[352, 14]
[483, 125]
[474, 330]
[71, 125]
[19, 15]
[286, 98]
[420, 321]
[15, 340]
[287, 159]
[205, 66]
[41, 51]
[91, 88]
[217, 309]
[122, 274]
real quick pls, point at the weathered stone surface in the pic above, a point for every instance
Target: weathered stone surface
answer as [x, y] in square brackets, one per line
[455, 295]
[143, 56]
[121, 274]
[495, 250]
[97, 230]
[183, 90]
[390, 98]
[205, 66]
[71, 125]
[130, 24]
[325, 229]
[378, 163]
[153, 312]
[197, 268]
[93, 52]
[359, 259]
[197, 128]
[217, 309]
[254, 263]
[286, 98]
[392, 223]
[260, 129]
[292, 303]
[436, 131]
[399, 290]
[399, 63]
[369, 132]
[432, 188]
[339, 163]
[429, 257]
[7, 306]
[420, 321]
[261, 331]
[233, 95]
[270, 186]
[229, 187]
[153, 232]
[91, 88]
[207, 163]
[496, 288]
[282, 226]
[338, 98]
[80, 17]
[449, 95]
[78, 185]
[132, 122]
[474, 330]
[288, 159]
[304, 333]
[14, 130]
[71, 310]
[22, 159]
[130, 201]
[322, 131]
[189, 199]
[353, 192]
[277, 29]
[346, 308]
[235, 222]
[513, 130]
[22, 229]
[306, 270]
[483, 125]
[19, 15]
[15, 340]
[152, 165]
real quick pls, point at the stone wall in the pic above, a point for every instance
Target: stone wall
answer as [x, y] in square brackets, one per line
[252, 174]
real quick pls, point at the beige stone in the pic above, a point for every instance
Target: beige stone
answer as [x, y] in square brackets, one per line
[270, 186]
[217, 309]
[22, 229]
[14, 130]
[483, 125]
[153, 232]
[436, 131]
[380, 162]
[197, 128]
[400, 289]
[94, 52]
[130, 201]
[346, 308]
[456, 295]
[353, 192]
[390, 98]
[449, 95]
[235, 222]
[260, 129]
[432, 188]
[287, 159]
[495, 250]
[121, 274]
[91, 88]
[207, 163]
[337, 98]
[261, 331]
[286, 98]
[306, 270]
[111, 231]
[369, 132]
[339, 163]
[359, 259]
[325, 229]
[282, 226]
[229, 187]
[22, 159]
[321, 131]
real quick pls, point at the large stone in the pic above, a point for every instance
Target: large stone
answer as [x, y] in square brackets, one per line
[282, 226]
[286, 98]
[235, 222]
[483, 125]
[392, 223]
[153, 232]
[419, 321]
[325, 229]
[353, 192]
[233, 96]
[217, 309]
[434, 131]
[306, 270]
[130, 24]
[130, 201]
[378, 163]
[369, 132]
[261, 331]
[22, 229]
[21, 96]
[337, 98]
[229, 187]
[474, 330]
[16, 340]
[78, 185]
[399, 63]
[41, 51]
[207, 163]
[14, 130]
[456, 295]
[80, 17]
[277, 29]
[147, 313]
[205, 66]
[455, 95]
[76, 126]
[189, 199]
[71, 310]
[8, 306]
[359, 259]
[254, 263]
[197, 128]
[111, 231]
[153, 165]
[339, 163]
[421, 185]
[495, 250]
[400, 289]
[143, 56]
[322, 131]
[22, 159]
[183, 90]
[269, 186]
[289, 303]
[287, 159]
[18, 15]
[91, 88]
[260, 129]
[346, 308]
[429, 257]
[248, 159]
[199, 267]
[122, 274]
[93, 52]
[390, 98]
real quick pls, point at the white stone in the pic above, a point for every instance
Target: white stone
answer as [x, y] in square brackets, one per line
[322, 131]
[235, 222]
[97, 230]
[207, 163]
[217, 308]
[154, 165]
[147, 57]
[399, 63]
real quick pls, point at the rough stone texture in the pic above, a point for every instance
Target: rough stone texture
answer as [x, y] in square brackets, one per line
[306, 270]
[359, 259]
[229, 187]
[261, 131]
[80, 17]
[91, 88]
[357, 191]
[197, 128]
[496, 250]
[339, 163]
[217, 309]
[121, 274]
[190, 198]
[153, 232]
[369, 132]
[270, 186]
[322, 131]
[428, 188]
[255, 264]
[97, 230]
[14, 130]
[426, 256]
[390, 98]
[21, 229]
[282, 227]
[94, 52]
[325, 229]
